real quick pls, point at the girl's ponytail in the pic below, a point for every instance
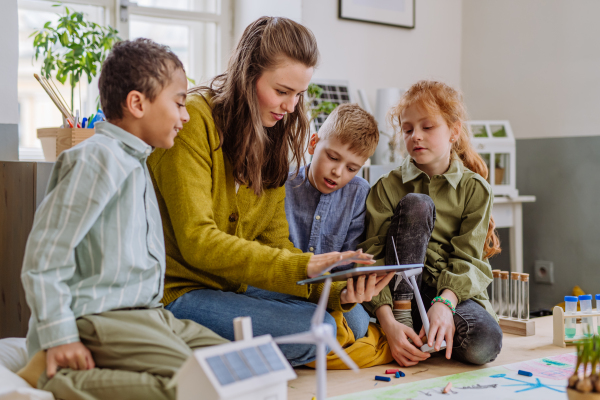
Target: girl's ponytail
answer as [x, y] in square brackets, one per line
[437, 97]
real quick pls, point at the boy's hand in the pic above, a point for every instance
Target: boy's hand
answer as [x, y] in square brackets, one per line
[73, 355]
[360, 291]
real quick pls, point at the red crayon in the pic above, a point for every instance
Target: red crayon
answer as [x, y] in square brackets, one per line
[391, 371]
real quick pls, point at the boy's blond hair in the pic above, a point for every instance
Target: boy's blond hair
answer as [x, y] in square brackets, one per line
[352, 125]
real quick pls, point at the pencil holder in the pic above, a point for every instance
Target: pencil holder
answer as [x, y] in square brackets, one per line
[56, 140]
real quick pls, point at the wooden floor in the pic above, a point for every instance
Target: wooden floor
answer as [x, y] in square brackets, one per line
[514, 349]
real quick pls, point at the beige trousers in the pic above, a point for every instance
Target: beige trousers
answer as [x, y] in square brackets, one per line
[136, 353]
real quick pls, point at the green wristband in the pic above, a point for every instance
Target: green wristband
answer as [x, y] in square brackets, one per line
[443, 300]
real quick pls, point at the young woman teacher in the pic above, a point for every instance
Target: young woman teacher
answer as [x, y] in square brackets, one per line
[221, 197]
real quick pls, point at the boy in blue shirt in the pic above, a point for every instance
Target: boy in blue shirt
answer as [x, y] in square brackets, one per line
[325, 202]
[94, 264]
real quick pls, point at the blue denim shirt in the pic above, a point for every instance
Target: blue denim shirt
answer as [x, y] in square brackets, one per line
[321, 223]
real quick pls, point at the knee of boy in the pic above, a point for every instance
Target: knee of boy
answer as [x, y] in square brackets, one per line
[330, 321]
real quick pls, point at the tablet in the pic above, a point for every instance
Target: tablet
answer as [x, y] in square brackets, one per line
[355, 272]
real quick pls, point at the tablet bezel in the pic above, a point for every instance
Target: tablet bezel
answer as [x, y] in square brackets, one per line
[354, 272]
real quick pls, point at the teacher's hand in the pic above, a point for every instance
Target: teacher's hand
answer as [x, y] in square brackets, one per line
[319, 263]
[363, 290]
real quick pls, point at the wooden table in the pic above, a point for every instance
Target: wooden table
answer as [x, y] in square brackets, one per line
[514, 349]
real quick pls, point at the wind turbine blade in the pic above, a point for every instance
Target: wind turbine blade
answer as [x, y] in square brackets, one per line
[304, 337]
[395, 251]
[319, 314]
[337, 349]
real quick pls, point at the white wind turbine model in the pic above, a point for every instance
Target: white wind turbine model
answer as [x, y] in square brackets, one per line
[320, 334]
[409, 276]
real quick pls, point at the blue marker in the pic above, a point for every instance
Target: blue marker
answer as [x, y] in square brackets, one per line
[525, 373]
[382, 378]
[83, 122]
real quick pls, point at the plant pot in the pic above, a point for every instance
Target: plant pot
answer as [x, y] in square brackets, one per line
[575, 395]
[56, 140]
[499, 176]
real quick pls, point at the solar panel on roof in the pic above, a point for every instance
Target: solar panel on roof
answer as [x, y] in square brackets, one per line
[237, 365]
[255, 361]
[220, 370]
[271, 357]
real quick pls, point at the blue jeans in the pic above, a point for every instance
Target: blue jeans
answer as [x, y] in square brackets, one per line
[272, 313]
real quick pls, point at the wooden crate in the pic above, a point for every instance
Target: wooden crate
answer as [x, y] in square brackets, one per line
[57, 140]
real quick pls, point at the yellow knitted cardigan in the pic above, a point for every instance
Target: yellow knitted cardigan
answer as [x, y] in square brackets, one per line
[218, 239]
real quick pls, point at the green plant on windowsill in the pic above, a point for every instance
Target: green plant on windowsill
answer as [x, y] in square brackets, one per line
[313, 93]
[73, 47]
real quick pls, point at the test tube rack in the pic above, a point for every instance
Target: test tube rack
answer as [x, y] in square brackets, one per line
[559, 316]
[517, 326]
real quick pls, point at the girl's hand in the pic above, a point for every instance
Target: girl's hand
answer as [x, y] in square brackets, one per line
[364, 290]
[441, 324]
[405, 353]
[319, 263]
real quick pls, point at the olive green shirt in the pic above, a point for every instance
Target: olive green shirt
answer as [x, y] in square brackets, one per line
[454, 259]
[216, 237]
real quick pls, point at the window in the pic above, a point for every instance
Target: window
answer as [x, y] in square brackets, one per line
[198, 31]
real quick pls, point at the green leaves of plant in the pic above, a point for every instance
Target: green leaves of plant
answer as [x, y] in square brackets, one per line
[314, 92]
[73, 48]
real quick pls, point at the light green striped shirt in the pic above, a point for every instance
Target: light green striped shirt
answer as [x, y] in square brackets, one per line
[97, 240]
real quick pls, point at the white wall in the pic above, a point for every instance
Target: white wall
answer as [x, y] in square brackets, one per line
[535, 63]
[9, 108]
[374, 56]
[9, 48]
[247, 11]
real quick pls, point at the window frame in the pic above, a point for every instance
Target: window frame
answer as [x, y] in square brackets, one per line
[117, 13]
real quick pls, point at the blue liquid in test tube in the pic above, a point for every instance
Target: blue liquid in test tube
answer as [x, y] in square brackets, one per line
[587, 323]
[570, 323]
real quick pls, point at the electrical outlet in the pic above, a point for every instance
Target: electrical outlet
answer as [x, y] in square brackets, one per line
[544, 272]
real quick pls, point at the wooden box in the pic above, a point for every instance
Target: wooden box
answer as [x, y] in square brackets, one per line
[517, 326]
[56, 140]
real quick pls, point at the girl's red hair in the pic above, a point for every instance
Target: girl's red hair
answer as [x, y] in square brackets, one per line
[439, 98]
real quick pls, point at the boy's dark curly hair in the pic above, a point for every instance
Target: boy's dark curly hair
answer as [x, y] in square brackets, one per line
[141, 65]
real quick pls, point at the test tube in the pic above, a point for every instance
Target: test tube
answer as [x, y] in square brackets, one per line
[496, 299]
[524, 297]
[598, 311]
[570, 323]
[515, 289]
[587, 323]
[505, 304]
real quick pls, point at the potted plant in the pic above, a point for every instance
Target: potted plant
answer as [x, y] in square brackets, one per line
[315, 108]
[584, 385]
[73, 48]
[70, 49]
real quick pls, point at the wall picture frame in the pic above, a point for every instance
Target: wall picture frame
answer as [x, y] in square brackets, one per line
[398, 13]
